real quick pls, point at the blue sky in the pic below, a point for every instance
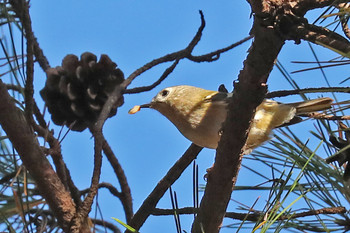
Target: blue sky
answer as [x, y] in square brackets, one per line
[133, 33]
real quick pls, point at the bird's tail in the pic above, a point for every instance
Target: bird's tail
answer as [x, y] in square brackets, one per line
[314, 105]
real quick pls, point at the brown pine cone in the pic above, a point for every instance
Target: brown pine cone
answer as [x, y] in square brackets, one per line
[76, 91]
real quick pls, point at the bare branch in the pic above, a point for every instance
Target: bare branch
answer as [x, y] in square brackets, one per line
[125, 194]
[256, 215]
[40, 57]
[172, 175]
[344, 20]
[79, 222]
[106, 224]
[307, 90]
[182, 54]
[113, 190]
[14, 87]
[22, 10]
[55, 152]
[150, 87]
[117, 95]
[304, 6]
[322, 116]
[335, 63]
[169, 57]
[213, 56]
[24, 141]
[248, 94]
[321, 36]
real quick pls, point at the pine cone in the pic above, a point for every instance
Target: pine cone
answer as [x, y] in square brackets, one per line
[76, 91]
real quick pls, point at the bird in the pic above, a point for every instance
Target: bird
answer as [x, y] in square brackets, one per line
[199, 114]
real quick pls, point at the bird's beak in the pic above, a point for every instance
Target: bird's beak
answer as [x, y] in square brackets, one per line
[145, 106]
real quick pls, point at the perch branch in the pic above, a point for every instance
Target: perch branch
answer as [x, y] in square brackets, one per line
[248, 94]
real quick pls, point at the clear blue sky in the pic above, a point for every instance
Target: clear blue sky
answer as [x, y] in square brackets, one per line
[133, 33]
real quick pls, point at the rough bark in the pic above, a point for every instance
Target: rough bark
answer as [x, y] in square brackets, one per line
[23, 139]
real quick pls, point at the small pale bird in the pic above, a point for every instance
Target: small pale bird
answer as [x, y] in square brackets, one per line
[199, 114]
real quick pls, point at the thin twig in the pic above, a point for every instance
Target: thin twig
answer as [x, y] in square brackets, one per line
[169, 57]
[255, 216]
[319, 115]
[55, 151]
[113, 190]
[213, 56]
[22, 10]
[337, 64]
[79, 221]
[106, 224]
[38, 116]
[150, 87]
[40, 57]
[179, 55]
[304, 6]
[125, 194]
[283, 93]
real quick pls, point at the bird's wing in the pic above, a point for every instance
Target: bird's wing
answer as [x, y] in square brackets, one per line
[218, 97]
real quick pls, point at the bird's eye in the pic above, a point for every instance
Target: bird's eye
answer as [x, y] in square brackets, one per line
[164, 93]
